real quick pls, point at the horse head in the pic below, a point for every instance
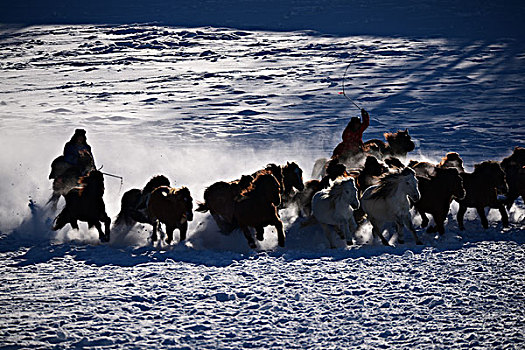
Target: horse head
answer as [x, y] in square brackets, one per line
[515, 161]
[409, 183]
[292, 177]
[334, 169]
[493, 173]
[350, 192]
[184, 197]
[154, 182]
[373, 167]
[452, 160]
[267, 187]
[400, 142]
[452, 181]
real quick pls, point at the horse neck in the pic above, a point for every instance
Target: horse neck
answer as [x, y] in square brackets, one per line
[93, 189]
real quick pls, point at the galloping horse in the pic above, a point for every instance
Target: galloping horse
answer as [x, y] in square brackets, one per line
[86, 204]
[134, 202]
[398, 144]
[333, 207]
[514, 168]
[257, 208]
[388, 202]
[172, 207]
[437, 193]
[292, 178]
[482, 187]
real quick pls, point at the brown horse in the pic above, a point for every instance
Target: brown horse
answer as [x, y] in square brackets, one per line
[257, 208]
[134, 202]
[437, 193]
[481, 189]
[219, 200]
[451, 160]
[172, 207]
[86, 204]
[398, 144]
[292, 179]
[368, 176]
[513, 166]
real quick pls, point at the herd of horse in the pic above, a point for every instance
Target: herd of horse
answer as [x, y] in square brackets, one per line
[373, 185]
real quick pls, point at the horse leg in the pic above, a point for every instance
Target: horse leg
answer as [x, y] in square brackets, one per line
[504, 215]
[169, 233]
[400, 234]
[260, 233]
[249, 237]
[98, 226]
[183, 229]
[424, 218]
[61, 220]
[352, 229]
[461, 213]
[280, 233]
[155, 228]
[107, 223]
[376, 232]
[328, 234]
[483, 217]
[407, 222]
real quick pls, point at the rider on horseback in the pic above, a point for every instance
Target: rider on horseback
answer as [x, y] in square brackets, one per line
[353, 136]
[78, 154]
[77, 159]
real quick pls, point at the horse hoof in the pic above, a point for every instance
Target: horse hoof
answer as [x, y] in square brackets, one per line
[349, 243]
[253, 245]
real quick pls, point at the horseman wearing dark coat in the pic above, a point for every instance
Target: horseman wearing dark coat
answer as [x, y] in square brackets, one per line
[77, 158]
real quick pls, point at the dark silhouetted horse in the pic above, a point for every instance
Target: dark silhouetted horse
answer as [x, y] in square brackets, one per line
[481, 189]
[397, 144]
[86, 204]
[135, 201]
[513, 166]
[437, 193]
[257, 208]
[173, 207]
[292, 179]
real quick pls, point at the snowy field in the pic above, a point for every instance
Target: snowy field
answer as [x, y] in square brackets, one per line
[202, 104]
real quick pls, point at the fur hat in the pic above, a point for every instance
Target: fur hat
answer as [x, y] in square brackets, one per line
[80, 132]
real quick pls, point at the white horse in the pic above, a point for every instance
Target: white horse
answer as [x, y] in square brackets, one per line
[388, 202]
[333, 207]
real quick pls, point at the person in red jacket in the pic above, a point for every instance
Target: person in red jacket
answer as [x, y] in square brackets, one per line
[353, 135]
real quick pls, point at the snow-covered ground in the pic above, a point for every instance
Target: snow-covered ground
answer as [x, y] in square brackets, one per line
[206, 104]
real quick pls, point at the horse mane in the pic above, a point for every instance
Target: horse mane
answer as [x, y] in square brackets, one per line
[154, 182]
[86, 182]
[450, 157]
[251, 188]
[337, 188]
[517, 158]
[486, 165]
[388, 182]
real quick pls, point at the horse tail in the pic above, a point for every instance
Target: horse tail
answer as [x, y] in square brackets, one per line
[202, 207]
